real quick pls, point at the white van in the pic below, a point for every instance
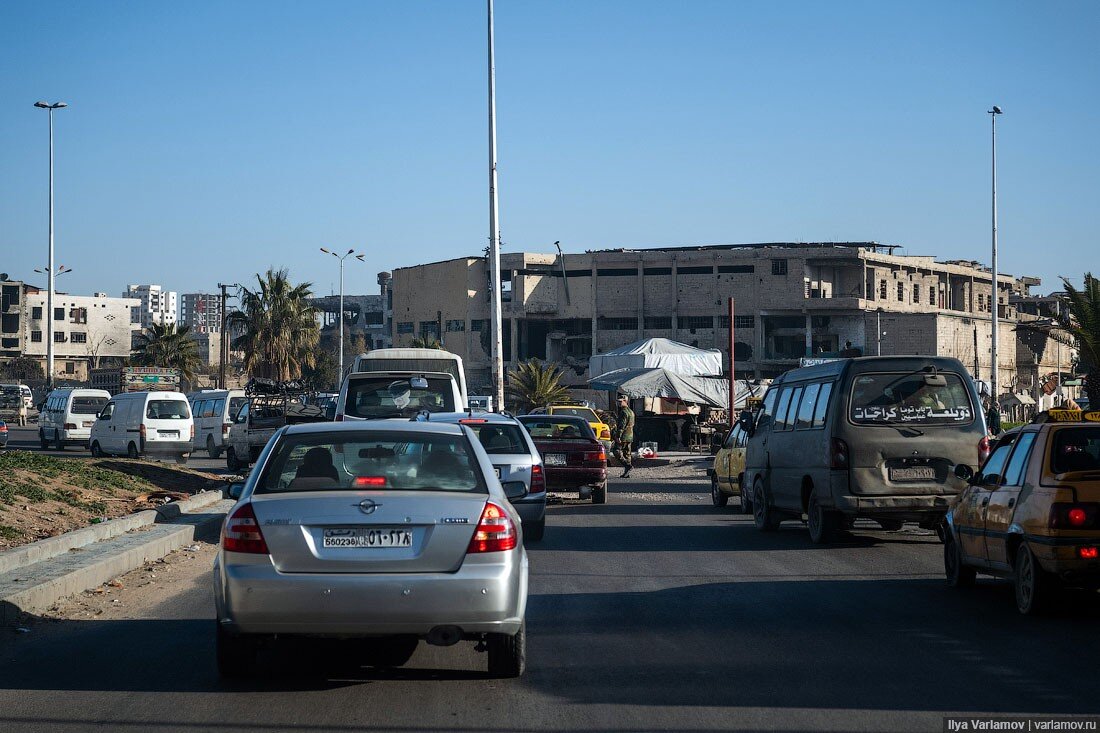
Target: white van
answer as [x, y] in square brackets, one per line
[68, 415]
[213, 411]
[423, 361]
[137, 423]
[23, 391]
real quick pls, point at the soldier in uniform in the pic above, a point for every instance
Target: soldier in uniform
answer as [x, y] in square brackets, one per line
[624, 435]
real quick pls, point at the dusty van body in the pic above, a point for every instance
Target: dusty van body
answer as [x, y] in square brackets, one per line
[872, 437]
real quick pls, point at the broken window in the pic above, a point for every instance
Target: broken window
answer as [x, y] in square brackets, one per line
[605, 323]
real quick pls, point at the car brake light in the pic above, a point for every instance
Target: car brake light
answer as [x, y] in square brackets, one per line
[472, 421]
[225, 428]
[1074, 516]
[192, 431]
[538, 480]
[70, 426]
[241, 532]
[339, 418]
[495, 531]
[838, 454]
[1088, 553]
[3, 428]
[141, 430]
[983, 449]
[365, 481]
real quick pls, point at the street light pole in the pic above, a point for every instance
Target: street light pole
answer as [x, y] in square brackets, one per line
[49, 292]
[359, 257]
[497, 325]
[993, 113]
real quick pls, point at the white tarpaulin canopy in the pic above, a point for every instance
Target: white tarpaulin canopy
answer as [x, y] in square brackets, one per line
[674, 356]
[657, 382]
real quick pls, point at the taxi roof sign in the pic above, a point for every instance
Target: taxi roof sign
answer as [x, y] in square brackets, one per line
[1068, 416]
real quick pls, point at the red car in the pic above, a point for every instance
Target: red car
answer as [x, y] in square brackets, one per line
[572, 458]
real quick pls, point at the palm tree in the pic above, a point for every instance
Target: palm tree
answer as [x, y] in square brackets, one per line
[168, 346]
[534, 384]
[426, 342]
[1084, 325]
[277, 327]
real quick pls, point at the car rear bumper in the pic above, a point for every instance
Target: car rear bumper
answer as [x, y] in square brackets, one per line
[570, 477]
[481, 597]
[531, 509]
[898, 506]
[167, 447]
[1061, 560]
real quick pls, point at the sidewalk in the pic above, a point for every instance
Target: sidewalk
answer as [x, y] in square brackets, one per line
[35, 576]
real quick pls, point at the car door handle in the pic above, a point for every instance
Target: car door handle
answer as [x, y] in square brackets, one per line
[985, 501]
[1012, 502]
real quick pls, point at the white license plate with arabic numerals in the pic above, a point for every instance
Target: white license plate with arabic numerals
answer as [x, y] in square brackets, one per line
[913, 473]
[377, 538]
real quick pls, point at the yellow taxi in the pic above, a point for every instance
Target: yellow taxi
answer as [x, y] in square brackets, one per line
[729, 470]
[599, 427]
[1032, 513]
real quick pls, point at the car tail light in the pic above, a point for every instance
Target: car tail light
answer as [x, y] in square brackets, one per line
[1088, 553]
[192, 431]
[495, 531]
[472, 421]
[225, 428]
[339, 417]
[3, 428]
[141, 430]
[70, 426]
[983, 449]
[1074, 516]
[838, 455]
[364, 482]
[241, 532]
[538, 480]
[596, 455]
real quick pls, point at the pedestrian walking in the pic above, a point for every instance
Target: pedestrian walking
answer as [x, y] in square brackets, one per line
[624, 435]
[22, 414]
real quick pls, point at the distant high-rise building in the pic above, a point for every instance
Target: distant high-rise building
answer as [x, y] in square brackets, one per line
[158, 306]
[202, 312]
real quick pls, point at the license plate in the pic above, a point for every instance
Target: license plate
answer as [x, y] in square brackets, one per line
[913, 473]
[86, 424]
[379, 538]
[169, 433]
[555, 459]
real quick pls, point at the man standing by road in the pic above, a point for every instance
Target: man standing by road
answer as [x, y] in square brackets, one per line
[22, 414]
[624, 435]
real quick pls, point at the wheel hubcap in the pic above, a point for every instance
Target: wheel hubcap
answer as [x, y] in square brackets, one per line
[759, 506]
[814, 518]
[1027, 580]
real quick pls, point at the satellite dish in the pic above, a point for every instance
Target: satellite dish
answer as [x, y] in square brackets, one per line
[3, 276]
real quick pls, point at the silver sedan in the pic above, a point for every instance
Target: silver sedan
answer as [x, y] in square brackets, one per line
[391, 532]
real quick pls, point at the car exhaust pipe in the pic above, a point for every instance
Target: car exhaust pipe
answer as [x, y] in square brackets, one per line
[444, 636]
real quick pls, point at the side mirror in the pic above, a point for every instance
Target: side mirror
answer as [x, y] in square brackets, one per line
[235, 490]
[104, 417]
[963, 472]
[514, 489]
[747, 423]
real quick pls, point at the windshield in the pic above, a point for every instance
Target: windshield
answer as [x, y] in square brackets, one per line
[889, 399]
[499, 439]
[235, 404]
[1075, 449]
[167, 410]
[384, 396]
[564, 428]
[356, 461]
[582, 412]
[87, 405]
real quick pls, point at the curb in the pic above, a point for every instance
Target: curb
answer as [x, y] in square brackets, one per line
[53, 546]
[132, 552]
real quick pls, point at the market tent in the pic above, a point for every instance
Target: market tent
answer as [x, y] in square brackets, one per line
[674, 356]
[658, 382]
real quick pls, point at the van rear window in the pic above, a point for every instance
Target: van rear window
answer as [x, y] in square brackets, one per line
[167, 410]
[910, 399]
[87, 405]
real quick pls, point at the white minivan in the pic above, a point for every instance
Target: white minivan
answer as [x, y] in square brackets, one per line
[68, 415]
[139, 423]
[213, 411]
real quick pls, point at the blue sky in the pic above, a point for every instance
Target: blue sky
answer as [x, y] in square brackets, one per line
[207, 141]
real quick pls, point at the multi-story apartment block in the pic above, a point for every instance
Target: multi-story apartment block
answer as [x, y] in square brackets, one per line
[157, 305]
[202, 312]
[791, 301]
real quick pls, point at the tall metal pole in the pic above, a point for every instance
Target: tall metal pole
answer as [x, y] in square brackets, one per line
[49, 278]
[995, 301]
[341, 326]
[878, 332]
[494, 234]
[733, 380]
[223, 355]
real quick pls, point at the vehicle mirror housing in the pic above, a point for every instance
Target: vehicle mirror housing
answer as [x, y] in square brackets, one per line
[418, 383]
[103, 417]
[963, 472]
[514, 489]
[935, 380]
[235, 490]
[746, 421]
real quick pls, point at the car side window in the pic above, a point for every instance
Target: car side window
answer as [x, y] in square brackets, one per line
[806, 407]
[1014, 473]
[822, 404]
[219, 408]
[107, 411]
[731, 439]
[993, 470]
[767, 409]
[792, 409]
[242, 416]
[781, 408]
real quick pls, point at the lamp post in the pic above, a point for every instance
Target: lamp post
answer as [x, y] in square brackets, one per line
[878, 332]
[343, 257]
[50, 107]
[995, 303]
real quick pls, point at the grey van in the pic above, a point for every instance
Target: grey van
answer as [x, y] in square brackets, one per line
[873, 437]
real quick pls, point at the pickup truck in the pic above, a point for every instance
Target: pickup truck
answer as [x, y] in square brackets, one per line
[268, 409]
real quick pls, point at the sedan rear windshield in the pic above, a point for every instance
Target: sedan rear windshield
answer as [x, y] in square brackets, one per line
[357, 461]
[548, 428]
[384, 396]
[1075, 449]
[910, 399]
[582, 412]
[87, 405]
[499, 439]
[167, 410]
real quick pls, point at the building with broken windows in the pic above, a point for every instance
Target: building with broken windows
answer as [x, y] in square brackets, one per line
[792, 300]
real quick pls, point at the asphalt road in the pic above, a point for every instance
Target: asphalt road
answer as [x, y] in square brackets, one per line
[27, 439]
[655, 612]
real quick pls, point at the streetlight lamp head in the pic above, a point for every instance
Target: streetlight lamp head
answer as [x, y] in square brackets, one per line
[42, 105]
[995, 111]
[59, 105]
[40, 272]
[325, 251]
[350, 251]
[360, 258]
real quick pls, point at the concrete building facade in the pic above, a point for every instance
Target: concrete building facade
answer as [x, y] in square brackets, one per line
[158, 306]
[792, 300]
[201, 312]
